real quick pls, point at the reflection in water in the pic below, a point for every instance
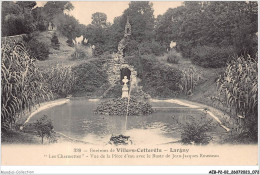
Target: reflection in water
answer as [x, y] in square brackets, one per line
[76, 119]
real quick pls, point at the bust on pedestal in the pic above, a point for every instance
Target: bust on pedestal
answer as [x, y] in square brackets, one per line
[125, 88]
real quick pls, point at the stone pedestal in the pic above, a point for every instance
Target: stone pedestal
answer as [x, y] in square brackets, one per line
[125, 91]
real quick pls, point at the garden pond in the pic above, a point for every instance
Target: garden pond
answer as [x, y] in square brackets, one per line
[76, 119]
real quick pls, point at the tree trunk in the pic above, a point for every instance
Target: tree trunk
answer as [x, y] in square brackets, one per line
[42, 139]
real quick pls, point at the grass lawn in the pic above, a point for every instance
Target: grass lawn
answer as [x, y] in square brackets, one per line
[61, 56]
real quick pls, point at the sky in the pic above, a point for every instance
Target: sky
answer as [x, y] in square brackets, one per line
[83, 10]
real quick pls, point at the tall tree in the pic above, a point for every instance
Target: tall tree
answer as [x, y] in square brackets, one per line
[141, 18]
[54, 8]
[99, 19]
[214, 24]
[26, 5]
[68, 26]
[15, 19]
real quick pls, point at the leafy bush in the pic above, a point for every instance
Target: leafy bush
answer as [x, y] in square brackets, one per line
[80, 53]
[157, 80]
[144, 48]
[22, 84]
[41, 26]
[38, 50]
[131, 48]
[196, 132]
[99, 49]
[55, 42]
[70, 42]
[207, 56]
[147, 48]
[14, 24]
[115, 91]
[119, 107]
[43, 127]
[60, 80]
[173, 57]
[89, 77]
[238, 89]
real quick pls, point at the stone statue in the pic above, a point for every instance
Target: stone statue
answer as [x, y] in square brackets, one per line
[125, 87]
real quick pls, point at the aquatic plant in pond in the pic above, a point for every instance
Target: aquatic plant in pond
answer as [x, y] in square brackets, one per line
[119, 107]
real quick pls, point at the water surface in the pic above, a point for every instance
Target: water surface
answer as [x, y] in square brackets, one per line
[76, 119]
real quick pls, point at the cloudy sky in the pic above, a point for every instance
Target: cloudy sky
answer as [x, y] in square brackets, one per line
[83, 10]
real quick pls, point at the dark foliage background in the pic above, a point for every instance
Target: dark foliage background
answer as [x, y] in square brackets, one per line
[157, 80]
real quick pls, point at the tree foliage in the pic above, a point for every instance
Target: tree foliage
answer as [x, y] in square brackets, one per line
[44, 128]
[54, 8]
[106, 37]
[21, 17]
[68, 26]
[16, 18]
[141, 18]
[215, 24]
[99, 19]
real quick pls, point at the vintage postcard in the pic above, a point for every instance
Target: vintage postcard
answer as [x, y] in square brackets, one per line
[129, 83]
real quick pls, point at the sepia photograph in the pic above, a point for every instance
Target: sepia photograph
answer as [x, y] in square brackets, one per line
[129, 83]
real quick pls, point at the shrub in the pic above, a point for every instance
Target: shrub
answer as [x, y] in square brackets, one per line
[131, 48]
[157, 80]
[173, 57]
[99, 49]
[22, 84]
[147, 48]
[13, 24]
[114, 92]
[43, 127]
[238, 89]
[55, 42]
[80, 52]
[38, 50]
[70, 42]
[207, 56]
[41, 26]
[89, 77]
[195, 131]
[60, 80]
[119, 107]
